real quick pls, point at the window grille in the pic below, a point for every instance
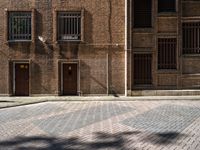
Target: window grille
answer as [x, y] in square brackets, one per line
[69, 26]
[142, 13]
[167, 53]
[19, 26]
[166, 5]
[191, 38]
[142, 69]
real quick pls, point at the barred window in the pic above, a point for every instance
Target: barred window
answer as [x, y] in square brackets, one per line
[69, 26]
[167, 53]
[166, 5]
[19, 26]
[191, 38]
[142, 69]
[142, 13]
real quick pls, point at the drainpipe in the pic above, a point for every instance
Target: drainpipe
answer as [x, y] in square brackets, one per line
[126, 47]
[108, 88]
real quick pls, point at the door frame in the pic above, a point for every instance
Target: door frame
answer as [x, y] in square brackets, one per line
[14, 62]
[61, 63]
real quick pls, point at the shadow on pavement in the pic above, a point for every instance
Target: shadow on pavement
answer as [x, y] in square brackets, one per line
[7, 101]
[164, 138]
[101, 140]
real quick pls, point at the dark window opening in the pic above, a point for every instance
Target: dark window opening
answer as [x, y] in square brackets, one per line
[142, 13]
[69, 26]
[167, 53]
[19, 26]
[191, 38]
[142, 69]
[166, 5]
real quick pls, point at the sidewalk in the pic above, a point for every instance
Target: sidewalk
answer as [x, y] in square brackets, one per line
[17, 101]
[102, 125]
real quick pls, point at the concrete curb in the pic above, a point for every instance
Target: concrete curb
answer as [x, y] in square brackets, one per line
[99, 98]
[20, 101]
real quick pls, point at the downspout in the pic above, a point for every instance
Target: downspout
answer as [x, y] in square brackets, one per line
[109, 70]
[126, 47]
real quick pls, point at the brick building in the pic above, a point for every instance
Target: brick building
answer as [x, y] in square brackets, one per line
[64, 47]
[98, 47]
[164, 47]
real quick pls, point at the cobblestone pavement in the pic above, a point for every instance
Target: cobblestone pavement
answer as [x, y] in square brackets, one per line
[103, 125]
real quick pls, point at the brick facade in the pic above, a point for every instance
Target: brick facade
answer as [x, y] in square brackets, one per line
[168, 25]
[100, 55]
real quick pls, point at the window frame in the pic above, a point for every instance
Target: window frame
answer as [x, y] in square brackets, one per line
[176, 53]
[7, 18]
[198, 36]
[56, 25]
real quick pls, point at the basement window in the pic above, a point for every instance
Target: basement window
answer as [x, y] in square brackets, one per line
[69, 26]
[19, 26]
[167, 53]
[166, 6]
[191, 37]
[142, 69]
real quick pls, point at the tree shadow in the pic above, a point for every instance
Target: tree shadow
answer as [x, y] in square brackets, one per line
[164, 138]
[101, 140]
[106, 140]
[5, 101]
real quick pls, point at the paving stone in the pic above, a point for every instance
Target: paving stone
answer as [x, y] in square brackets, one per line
[78, 119]
[167, 118]
[12, 114]
[113, 125]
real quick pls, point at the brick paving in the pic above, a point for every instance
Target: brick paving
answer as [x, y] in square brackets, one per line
[102, 125]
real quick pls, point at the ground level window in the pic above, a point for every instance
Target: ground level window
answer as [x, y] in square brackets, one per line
[19, 26]
[142, 69]
[191, 38]
[167, 53]
[69, 26]
[166, 5]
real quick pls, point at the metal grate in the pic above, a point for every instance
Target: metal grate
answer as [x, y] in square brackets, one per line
[166, 5]
[142, 69]
[142, 13]
[167, 53]
[19, 26]
[191, 38]
[69, 26]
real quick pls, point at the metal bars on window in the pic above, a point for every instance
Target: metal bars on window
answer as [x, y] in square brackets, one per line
[69, 26]
[142, 69]
[191, 38]
[19, 26]
[167, 53]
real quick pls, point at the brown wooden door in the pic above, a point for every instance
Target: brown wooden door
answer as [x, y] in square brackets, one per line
[69, 79]
[21, 79]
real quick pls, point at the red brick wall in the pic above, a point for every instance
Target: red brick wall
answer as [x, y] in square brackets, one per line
[103, 34]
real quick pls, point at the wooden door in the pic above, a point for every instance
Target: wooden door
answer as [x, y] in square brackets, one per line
[69, 76]
[21, 79]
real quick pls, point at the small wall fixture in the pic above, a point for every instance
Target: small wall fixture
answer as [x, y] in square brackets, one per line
[42, 39]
